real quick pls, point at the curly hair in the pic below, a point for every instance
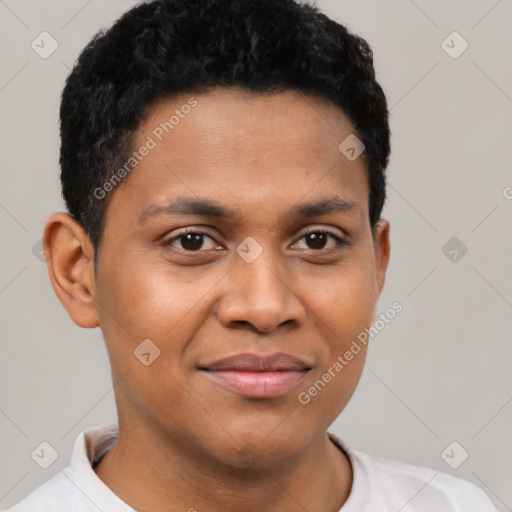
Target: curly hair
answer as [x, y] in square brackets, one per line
[166, 47]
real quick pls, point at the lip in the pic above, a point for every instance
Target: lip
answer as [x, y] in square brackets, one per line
[258, 376]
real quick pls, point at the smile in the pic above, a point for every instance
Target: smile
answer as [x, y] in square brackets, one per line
[265, 384]
[254, 376]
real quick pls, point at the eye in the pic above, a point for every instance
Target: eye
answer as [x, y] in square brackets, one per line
[196, 240]
[318, 239]
[192, 240]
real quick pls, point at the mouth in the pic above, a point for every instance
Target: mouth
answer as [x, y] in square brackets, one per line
[254, 376]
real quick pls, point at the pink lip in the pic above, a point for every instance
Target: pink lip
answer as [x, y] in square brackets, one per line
[254, 376]
[259, 384]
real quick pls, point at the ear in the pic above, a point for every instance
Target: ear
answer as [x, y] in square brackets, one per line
[382, 249]
[70, 260]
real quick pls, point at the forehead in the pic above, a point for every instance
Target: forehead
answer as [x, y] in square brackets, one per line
[244, 149]
[245, 121]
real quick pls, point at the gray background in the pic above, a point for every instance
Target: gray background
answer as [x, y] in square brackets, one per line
[438, 373]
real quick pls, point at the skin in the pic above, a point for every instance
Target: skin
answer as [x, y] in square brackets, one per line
[184, 440]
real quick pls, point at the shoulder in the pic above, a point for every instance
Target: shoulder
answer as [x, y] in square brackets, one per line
[397, 485]
[427, 487]
[55, 495]
[77, 488]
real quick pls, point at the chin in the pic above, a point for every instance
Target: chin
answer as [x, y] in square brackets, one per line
[260, 450]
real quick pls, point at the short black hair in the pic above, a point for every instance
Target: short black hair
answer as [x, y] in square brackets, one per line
[166, 47]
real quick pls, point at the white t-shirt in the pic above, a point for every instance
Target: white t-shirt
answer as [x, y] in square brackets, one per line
[379, 484]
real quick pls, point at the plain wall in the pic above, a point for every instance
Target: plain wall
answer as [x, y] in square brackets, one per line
[438, 373]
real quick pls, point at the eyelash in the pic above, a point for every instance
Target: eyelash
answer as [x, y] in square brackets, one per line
[197, 231]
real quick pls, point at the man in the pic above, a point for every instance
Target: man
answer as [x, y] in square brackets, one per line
[223, 164]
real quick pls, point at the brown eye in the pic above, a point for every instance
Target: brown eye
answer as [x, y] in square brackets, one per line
[192, 241]
[318, 240]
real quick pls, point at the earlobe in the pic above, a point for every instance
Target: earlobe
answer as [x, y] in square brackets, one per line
[382, 251]
[70, 262]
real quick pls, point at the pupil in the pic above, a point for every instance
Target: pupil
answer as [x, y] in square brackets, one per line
[317, 240]
[192, 241]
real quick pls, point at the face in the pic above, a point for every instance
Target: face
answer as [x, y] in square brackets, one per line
[240, 246]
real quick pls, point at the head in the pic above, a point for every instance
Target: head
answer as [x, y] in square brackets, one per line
[213, 211]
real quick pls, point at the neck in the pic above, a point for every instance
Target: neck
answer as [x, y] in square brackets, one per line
[150, 475]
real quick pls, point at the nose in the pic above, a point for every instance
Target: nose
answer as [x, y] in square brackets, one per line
[260, 296]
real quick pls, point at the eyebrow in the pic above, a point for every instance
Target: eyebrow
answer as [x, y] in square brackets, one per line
[208, 208]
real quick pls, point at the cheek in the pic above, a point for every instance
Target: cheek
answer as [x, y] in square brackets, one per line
[342, 304]
[341, 309]
[151, 300]
[342, 313]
